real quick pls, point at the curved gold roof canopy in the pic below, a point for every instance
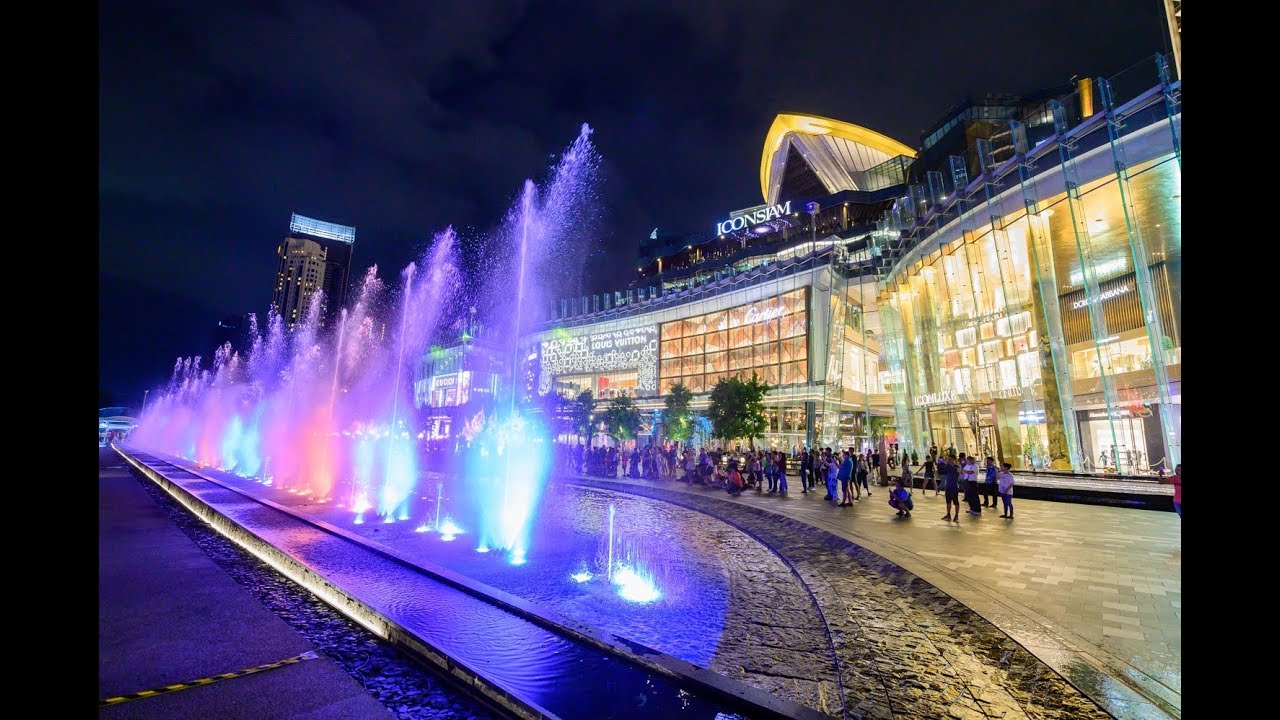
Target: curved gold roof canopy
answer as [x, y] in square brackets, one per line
[839, 153]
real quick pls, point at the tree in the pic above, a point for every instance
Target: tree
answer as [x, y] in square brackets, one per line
[579, 410]
[622, 418]
[878, 425]
[737, 408]
[677, 419]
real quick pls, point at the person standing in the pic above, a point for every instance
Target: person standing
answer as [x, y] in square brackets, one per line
[969, 473]
[1005, 482]
[1176, 481]
[806, 461]
[832, 477]
[950, 485]
[989, 488]
[860, 479]
[782, 473]
[845, 474]
[929, 477]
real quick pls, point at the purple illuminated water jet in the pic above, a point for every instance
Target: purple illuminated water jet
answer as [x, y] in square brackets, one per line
[325, 411]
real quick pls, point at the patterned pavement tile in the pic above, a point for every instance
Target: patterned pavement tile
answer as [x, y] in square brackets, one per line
[1105, 580]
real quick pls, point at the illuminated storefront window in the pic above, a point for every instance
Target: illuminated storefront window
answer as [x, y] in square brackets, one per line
[769, 337]
[441, 391]
[603, 386]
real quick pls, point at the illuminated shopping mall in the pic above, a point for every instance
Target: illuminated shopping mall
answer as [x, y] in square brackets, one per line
[1011, 288]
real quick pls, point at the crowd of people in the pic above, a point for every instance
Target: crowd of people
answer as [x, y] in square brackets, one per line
[844, 476]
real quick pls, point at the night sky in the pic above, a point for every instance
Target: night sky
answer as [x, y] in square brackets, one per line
[217, 120]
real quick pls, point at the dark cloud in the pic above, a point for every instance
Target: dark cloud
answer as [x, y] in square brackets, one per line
[219, 119]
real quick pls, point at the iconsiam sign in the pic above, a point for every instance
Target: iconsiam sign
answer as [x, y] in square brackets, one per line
[327, 412]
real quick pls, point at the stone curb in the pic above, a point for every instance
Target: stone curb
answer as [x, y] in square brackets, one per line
[348, 604]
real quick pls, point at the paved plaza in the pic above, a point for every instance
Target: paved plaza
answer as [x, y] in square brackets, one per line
[168, 616]
[1093, 591]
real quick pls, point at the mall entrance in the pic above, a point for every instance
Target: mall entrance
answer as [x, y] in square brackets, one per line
[970, 428]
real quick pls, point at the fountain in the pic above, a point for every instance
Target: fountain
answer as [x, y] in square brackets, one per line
[635, 581]
[324, 412]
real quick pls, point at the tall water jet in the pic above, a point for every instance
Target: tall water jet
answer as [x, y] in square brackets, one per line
[439, 497]
[542, 230]
[526, 219]
[400, 471]
[305, 407]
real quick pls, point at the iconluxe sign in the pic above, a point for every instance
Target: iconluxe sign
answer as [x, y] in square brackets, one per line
[936, 398]
[1114, 292]
[764, 213]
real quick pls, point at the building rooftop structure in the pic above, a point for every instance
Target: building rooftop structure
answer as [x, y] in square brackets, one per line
[825, 182]
[812, 156]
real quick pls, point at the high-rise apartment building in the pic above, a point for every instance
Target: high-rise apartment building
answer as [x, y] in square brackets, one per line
[316, 256]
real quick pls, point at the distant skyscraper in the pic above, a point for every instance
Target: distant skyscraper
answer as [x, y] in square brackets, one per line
[316, 255]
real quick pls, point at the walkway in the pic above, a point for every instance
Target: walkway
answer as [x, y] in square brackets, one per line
[1095, 592]
[167, 614]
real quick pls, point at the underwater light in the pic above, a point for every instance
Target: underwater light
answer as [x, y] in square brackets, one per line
[449, 529]
[633, 586]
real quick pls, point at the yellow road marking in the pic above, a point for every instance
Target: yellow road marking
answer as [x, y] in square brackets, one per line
[116, 700]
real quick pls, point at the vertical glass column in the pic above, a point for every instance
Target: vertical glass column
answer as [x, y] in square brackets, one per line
[862, 329]
[931, 308]
[1088, 269]
[888, 235]
[981, 258]
[1011, 263]
[893, 346]
[833, 390]
[1172, 106]
[1059, 405]
[1142, 274]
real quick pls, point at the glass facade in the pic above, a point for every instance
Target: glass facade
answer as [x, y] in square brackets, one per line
[1032, 313]
[1038, 317]
[769, 337]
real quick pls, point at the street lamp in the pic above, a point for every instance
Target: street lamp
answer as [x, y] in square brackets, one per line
[144, 400]
[813, 209]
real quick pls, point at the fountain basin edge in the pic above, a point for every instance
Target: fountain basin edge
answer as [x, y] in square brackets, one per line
[752, 701]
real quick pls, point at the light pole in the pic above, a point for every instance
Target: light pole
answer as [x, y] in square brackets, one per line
[813, 209]
[144, 400]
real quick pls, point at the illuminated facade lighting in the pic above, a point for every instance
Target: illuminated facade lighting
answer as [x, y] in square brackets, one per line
[321, 229]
